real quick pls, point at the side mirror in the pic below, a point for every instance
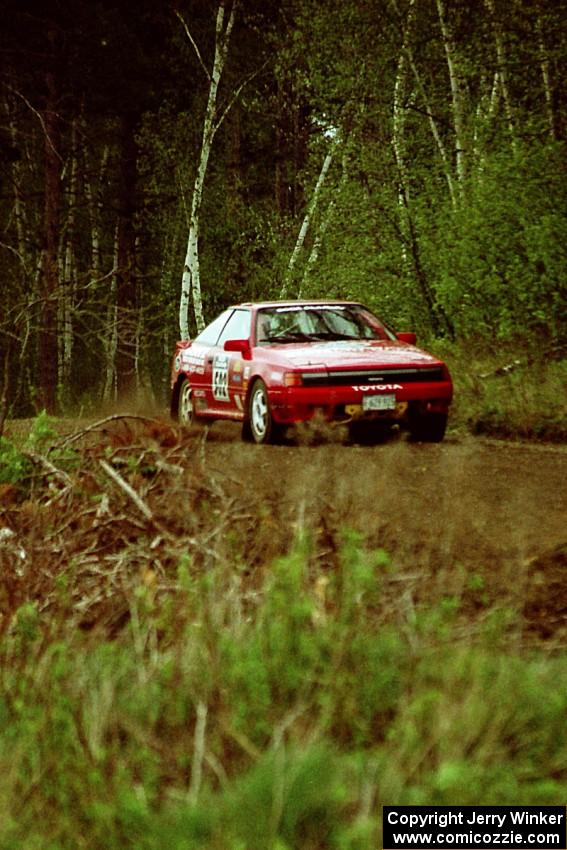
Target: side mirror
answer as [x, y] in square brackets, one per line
[408, 337]
[240, 345]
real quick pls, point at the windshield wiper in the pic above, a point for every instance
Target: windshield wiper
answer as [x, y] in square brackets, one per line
[332, 335]
[289, 336]
[300, 336]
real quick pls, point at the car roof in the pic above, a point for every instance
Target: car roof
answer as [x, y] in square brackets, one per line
[294, 303]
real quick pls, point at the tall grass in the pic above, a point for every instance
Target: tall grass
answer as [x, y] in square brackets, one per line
[509, 391]
[282, 718]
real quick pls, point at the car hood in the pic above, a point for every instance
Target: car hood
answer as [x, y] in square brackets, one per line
[356, 353]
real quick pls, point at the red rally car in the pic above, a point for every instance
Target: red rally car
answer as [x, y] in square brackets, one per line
[271, 365]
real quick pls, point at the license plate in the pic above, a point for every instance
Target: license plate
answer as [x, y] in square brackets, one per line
[379, 402]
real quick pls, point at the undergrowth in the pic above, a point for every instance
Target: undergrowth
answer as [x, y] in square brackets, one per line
[508, 392]
[18, 458]
[175, 674]
[286, 721]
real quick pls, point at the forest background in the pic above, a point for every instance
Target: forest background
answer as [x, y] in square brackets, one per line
[405, 153]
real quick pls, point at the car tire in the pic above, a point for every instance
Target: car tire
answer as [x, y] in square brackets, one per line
[247, 431]
[428, 427]
[260, 424]
[185, 408]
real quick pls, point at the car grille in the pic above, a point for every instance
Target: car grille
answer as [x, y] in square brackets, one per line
[346, 377]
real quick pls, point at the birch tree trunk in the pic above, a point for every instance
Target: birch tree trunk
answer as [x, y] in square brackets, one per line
[311, 208]
[321, 231]
[191, 278]
[111, 332]
[398, 124]
[406, 55]
[19, 206]
[93, 194]
[126, 292]
[457, 93]
[65, 303]
[410, 248]
[50, 265]
[502, 69]
[486, 110]
[546, 77]
[93, 184]
[14, 338]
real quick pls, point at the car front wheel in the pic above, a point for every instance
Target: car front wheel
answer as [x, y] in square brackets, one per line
[261, 425]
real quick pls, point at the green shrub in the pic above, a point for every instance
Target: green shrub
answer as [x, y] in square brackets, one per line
[15, 468]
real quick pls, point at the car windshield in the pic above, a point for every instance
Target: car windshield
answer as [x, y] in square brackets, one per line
[316, 322]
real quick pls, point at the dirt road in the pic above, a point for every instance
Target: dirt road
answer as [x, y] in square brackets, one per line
[478, 520]
[471, 517]
[471, 497]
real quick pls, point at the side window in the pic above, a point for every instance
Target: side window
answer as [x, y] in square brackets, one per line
[237, 327]
[377, 328]
[211, 333]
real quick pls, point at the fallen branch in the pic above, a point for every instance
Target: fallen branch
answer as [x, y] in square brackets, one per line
[557, 351]
[138, 501]
[71, 438]
[503, 370]
[50, 468]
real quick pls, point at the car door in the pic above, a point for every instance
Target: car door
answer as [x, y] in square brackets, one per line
[226, 367]
[198, 362]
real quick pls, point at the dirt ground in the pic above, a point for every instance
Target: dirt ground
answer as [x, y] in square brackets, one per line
[467, 517]
[470, 512]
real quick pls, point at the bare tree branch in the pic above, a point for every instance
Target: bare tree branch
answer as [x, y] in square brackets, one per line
[236, 94]
[39, 117]
[194, 43]
[16, 252]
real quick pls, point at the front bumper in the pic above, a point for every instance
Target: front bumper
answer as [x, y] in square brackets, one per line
[345, 404]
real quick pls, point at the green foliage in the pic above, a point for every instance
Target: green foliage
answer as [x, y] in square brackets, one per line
[14, 467]
[41, 432]
[16, 455]
[313, 706]
[499, 261]
[479, 749]
[507, 391]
